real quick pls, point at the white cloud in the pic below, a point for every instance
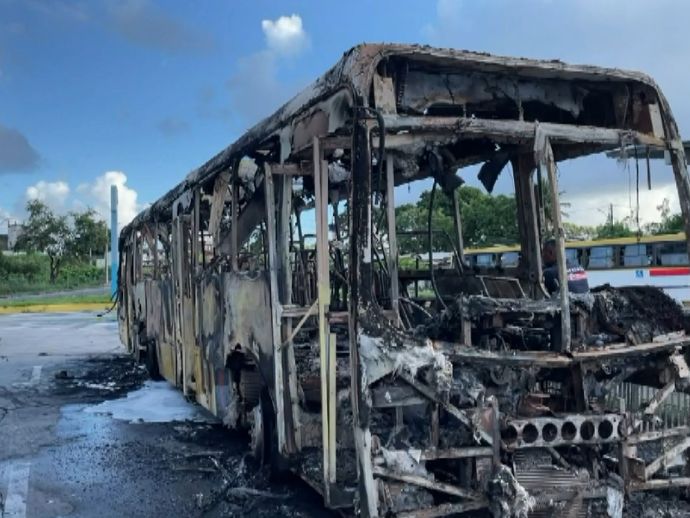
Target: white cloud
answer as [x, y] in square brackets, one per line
[96, 195]
[286, 35]
[264, 91]
[53, 194]
[592, 208]
[89, 195]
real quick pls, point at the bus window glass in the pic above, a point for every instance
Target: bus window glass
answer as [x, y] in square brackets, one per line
[601, 257]
[485, 260]
[571, 255]
[636, 255]
[673, 254]
[510, 259]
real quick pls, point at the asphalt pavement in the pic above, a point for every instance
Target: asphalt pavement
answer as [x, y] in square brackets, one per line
[61, 455]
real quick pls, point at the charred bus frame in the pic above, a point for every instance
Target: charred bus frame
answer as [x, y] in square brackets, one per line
[322, 352]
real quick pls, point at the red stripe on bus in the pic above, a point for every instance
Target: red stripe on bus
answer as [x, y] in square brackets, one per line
[660, 272]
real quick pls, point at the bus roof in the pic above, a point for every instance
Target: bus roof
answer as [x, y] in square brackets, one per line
[349, 84]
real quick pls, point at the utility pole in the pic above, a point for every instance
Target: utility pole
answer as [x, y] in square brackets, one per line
[113, 240]
[105, 256]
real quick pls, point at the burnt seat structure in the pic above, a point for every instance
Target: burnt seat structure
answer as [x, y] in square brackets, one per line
[267, 286]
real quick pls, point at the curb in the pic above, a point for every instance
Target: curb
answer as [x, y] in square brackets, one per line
[55, 308]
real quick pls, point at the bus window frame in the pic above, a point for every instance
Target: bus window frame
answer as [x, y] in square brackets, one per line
[512, 265]
[660, 246]
[647, 254]
[612, 256]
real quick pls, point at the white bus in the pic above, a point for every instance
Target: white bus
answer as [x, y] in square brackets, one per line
[660, 260]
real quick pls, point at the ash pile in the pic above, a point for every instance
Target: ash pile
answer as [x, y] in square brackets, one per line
[632, 315]
[635, 314]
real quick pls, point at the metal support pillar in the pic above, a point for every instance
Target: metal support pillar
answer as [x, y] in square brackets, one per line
[113, 240]
[279, 384]
[544, 154]
[323, 300]
[361, 280]
[392, 239]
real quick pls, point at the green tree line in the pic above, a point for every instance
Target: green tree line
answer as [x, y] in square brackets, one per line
[59, 250]
[492, 220]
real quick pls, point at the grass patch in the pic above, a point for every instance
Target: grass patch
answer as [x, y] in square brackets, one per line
[10, 287]
[30, 273]
[56, 300]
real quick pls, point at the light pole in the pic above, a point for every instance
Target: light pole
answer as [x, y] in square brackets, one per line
[113, 240]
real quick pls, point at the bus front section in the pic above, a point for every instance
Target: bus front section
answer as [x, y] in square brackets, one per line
[480, 388]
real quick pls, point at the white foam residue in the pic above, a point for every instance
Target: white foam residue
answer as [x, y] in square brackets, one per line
[110, 385]
[155, 402]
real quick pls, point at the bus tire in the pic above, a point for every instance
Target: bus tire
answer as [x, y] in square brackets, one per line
[151, 360]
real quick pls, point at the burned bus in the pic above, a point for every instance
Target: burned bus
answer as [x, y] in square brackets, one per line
[267, 287]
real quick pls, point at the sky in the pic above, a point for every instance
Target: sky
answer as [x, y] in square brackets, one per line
[137, 93]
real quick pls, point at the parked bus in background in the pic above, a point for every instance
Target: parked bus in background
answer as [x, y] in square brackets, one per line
[660, 260]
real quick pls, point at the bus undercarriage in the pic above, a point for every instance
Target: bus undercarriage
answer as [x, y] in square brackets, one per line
[268, 287]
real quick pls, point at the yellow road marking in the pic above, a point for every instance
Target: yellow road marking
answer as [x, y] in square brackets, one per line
[55, 308]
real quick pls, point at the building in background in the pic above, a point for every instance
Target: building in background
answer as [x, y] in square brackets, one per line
[14, 230]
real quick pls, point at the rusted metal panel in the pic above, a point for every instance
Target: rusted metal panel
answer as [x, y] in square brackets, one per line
[246, 318]
[154, 310]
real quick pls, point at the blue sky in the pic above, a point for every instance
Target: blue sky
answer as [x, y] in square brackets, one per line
[139, 92]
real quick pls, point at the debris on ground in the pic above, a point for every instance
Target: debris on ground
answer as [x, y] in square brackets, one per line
[242, 486]
[670, 504]
[204, 453]
[508, 498]
[102, 377]
[244, 489]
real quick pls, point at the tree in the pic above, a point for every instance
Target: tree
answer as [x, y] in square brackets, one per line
[45, 232]
[486, 220]
[89, 235]
[574, 231]
[670, 223]
[614, 229]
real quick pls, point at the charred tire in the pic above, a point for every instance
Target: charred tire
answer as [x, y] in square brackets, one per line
[151, 361]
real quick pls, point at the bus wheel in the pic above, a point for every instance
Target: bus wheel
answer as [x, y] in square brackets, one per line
[151, 360]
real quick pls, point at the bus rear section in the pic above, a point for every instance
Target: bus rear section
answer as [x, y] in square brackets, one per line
[268, 286]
